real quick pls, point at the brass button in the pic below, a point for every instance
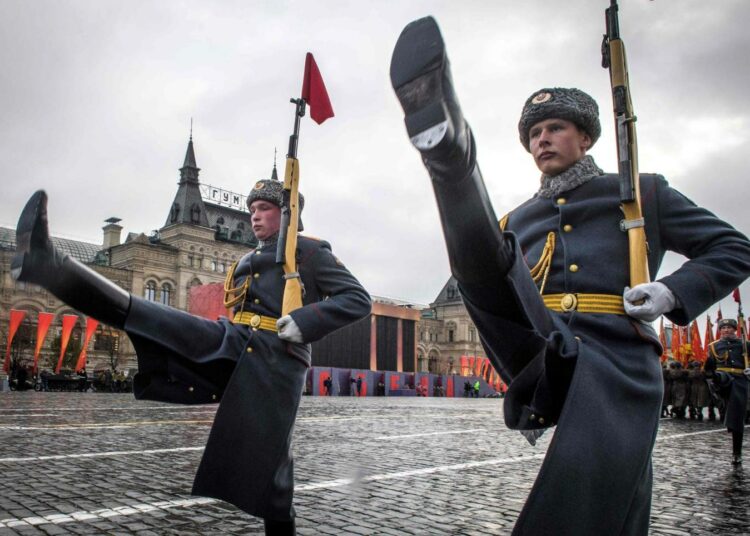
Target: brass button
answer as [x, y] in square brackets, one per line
[257, 252]
[249, 349]
[532, 417]
[191, 389]
[255, 321]
[541, 420]
[256, 275]
[561, 200]
[567, 228]
[213, 397]
[578, 338]
[256, 300]
[569, 302]
[573, 267]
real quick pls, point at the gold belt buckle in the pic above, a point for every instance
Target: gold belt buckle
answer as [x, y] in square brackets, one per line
[255, 321]
[569, 302]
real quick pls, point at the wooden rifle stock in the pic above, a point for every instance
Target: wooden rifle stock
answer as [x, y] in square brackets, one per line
[286, 252]
[613, 57]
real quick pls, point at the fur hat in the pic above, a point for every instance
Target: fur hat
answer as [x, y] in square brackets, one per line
[570, 104]
[731, 322]
[270, 190]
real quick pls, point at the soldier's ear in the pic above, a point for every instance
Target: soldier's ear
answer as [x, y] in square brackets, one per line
[585, 141]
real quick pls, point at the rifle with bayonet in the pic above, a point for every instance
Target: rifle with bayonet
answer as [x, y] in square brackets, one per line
[286, 248]
[613, 58]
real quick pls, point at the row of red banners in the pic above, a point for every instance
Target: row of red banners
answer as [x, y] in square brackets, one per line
[44, 321]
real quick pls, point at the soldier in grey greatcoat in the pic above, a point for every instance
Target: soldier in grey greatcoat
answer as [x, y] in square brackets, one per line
[547, 290]
[254, 364]
[727, 367]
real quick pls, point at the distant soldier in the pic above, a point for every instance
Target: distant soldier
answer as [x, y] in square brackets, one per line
[667, 398]
[679, 385]
[699, 393]
[727, 366]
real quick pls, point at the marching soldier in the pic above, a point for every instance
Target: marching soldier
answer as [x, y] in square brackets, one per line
[576, 351]
[728, 368]
[255, 364]
[680, 389]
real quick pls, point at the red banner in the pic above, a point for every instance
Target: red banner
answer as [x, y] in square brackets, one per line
[16, 317]
[709, 337]
[695, 342]
[43, 322]
[675, 342]
[718, 318]
[464, 365]
[91, 325]
[68, 323]
[207, 301]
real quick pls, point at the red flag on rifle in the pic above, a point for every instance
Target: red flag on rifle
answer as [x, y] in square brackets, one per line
[314, 92]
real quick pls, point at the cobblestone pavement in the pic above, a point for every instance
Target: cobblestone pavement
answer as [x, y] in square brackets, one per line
[94, 463]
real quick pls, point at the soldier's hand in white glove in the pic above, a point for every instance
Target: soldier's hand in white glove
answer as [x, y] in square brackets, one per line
[288, 329]
[746, 372]
[648, 301]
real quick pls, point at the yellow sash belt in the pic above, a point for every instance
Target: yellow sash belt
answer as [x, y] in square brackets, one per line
[584, 303]
[256, 321]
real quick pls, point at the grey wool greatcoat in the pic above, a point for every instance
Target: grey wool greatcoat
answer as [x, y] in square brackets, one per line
[258, 377]
[596, 376]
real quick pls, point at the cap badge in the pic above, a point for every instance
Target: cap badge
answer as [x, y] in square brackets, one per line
[541, 97]
[259, 185]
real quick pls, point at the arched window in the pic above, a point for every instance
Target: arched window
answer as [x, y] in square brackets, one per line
[166, 293]
[175, 213]
[237, 235]
[241, 226]
[195, 214]
[213, 266]
[220, 220]
[150, 291]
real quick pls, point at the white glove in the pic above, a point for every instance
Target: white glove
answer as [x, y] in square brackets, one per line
[656, 297]
[746, 372]
[288, 329]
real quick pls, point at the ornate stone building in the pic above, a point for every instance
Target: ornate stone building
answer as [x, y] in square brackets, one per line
[205, 231]
[445, 333]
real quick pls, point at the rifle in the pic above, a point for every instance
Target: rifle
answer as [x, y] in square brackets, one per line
[743, 335]
[613, 58]
[286, 248]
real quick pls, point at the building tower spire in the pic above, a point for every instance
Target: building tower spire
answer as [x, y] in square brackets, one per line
[188, 206]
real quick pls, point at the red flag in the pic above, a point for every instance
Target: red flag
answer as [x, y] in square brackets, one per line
[314, 92]
[43, 322]
[464, 365]
[675, 346]
[709, 338]
[68, 323]
[736, 295]
[695, 342]
[16, 317]
[718, 318]
[91, 325]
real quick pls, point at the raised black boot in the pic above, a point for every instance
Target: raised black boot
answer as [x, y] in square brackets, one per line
[420, 74]
[37, 261]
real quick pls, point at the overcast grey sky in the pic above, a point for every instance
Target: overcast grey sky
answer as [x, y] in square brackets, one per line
[97, 98]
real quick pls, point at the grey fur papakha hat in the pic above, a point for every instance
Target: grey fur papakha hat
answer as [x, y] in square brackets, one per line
[570, 104]
[270, 190]
[731, 322]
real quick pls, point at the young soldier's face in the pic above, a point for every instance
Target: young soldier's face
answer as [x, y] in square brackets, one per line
[557, 144]
[265, 218]
[727, 331]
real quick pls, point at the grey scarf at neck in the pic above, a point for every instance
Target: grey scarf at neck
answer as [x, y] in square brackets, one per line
[270, 241]
[579, 173]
